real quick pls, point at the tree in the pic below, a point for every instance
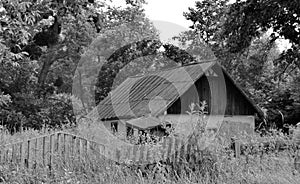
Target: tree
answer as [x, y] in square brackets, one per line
[248, 20]
[239, 35]
[41, 45]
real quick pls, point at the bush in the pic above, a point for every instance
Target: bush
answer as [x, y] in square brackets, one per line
[27, 111]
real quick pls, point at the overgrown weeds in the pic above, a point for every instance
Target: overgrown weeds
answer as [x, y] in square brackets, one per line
[264, 159]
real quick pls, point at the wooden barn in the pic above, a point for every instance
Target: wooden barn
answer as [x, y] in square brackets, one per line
[142, 102]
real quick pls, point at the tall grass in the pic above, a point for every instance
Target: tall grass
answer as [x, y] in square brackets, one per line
[268, 169]
[215, 163]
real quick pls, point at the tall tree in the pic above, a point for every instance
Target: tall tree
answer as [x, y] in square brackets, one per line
[243, 36]
[247, 20]
[41, 44]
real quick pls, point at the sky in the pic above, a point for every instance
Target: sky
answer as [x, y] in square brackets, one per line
[169, 10]
[165, 10]
[167, 16]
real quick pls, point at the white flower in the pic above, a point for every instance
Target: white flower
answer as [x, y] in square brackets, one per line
[2, 9]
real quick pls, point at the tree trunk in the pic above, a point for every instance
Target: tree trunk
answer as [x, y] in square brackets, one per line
[55, 53]
[43, 76]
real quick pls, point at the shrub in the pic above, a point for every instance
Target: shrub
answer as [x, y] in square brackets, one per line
[27, 111]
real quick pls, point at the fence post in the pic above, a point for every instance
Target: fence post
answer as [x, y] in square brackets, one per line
[135, 154]
[36, 159]
[43, 151]
[89, 148]
[66, 151]
[163, 151]
[177, 149]
[297, 160]
[237, 148]
[75, 148]
[143, 154]
[50, 151]
[28, 163]
[149, 154]
[14, 154]
[20, 152]
[170, 149]
[58, 146]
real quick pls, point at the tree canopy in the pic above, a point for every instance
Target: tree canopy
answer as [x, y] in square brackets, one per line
[245, 36]
[43, 44]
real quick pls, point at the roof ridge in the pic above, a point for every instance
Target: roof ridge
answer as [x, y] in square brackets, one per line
[172, 68]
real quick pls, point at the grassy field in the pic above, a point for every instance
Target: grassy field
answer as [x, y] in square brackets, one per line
[217, 165]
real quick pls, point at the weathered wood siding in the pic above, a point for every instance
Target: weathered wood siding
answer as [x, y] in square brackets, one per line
[237, 104]
[221, 97]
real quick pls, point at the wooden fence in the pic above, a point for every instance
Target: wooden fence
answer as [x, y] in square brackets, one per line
[45, 151]
[42, 151]
[170, 149]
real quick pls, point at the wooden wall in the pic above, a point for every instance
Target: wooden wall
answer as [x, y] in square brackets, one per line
[222, 96]
[237, 104]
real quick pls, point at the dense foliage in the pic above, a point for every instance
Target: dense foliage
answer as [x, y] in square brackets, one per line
[42, 42]
[246, 37]
[41, 45]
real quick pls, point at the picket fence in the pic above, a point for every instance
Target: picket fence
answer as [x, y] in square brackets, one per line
[44, 151]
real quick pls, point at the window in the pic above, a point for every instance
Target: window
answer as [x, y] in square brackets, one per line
[114, 126]
[129, 131]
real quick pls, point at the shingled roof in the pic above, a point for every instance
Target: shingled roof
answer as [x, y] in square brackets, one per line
[131, 99]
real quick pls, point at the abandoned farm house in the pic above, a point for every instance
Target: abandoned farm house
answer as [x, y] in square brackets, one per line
[143, 102]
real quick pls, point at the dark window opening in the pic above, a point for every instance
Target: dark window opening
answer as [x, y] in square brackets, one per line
[129, 131]
[114, 126]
